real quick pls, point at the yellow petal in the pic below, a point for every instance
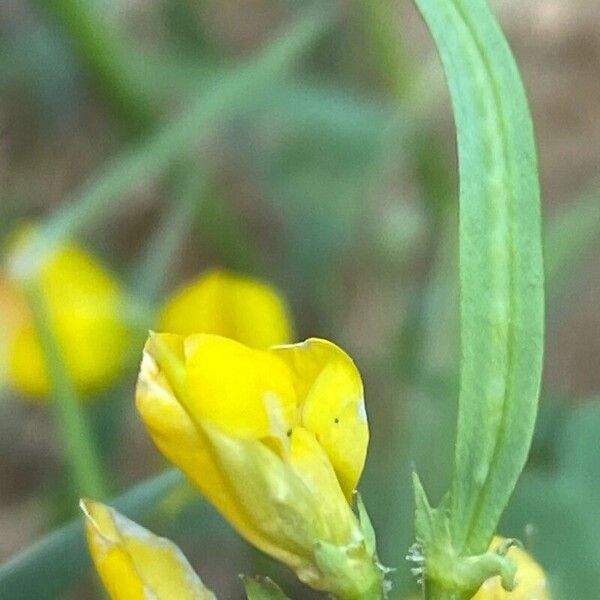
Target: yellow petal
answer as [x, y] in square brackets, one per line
[531, 581]
[332, 404]
[310, 463]
[277, 502]
[133, 563]
[247, 393]
[222, 303]
[84, 304]
[185, 443]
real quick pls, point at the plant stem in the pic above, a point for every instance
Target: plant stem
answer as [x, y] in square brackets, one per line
[150, 275]
[86, 469]
[433, 592]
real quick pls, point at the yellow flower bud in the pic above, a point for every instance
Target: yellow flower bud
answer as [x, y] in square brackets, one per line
[275, 439]
[84, 304]
[530, 579]
[135, 564]
[237, 307]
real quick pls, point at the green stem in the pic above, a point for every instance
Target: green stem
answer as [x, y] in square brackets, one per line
[151, 273]
[87, 473]
[432, 592]
[105, 57]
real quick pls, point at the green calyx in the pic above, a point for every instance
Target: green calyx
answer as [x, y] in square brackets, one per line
[349, 572]
[353, 572]
[445, 572]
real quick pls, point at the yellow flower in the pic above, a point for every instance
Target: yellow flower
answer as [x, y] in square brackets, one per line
[275, 439]
[530, 579]
[84, 303]
[135, 564]
[237, 307]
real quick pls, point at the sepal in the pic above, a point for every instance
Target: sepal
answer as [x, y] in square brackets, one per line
[262, 588]
[350, 572]
[439, 564]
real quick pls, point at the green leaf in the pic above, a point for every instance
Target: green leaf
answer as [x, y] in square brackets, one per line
[501, 271]
[262, 588]
[59, 559]
[366, 526]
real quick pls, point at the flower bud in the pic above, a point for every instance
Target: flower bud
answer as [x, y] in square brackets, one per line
[135, 564]
[230, 305]
[276, 440]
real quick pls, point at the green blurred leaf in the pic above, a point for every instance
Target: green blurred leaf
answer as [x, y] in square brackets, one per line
[227, 94]
[501, 271]
[328, 111]
[224, 230]
[579, 450]
[150, 275]
[58, 560]
[568, 236]
[105, 56]
[86, 470]
[262, 588]
[555, 510]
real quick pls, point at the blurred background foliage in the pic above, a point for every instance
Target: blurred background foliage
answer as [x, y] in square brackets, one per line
[313, 148]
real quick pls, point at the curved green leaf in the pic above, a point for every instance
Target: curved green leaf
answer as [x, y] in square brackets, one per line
[501, 271]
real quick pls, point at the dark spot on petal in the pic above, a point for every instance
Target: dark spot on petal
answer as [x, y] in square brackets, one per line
[336, 420]
[289, 432]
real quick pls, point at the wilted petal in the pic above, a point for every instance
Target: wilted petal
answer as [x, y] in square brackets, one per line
[133, 563]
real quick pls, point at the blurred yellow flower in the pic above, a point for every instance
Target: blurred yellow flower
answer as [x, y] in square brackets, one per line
[135, 564]
[276, 440]
[237, 307]
[530, 579]
[84, 302]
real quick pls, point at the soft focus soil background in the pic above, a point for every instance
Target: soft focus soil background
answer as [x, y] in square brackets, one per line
[557, 44]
